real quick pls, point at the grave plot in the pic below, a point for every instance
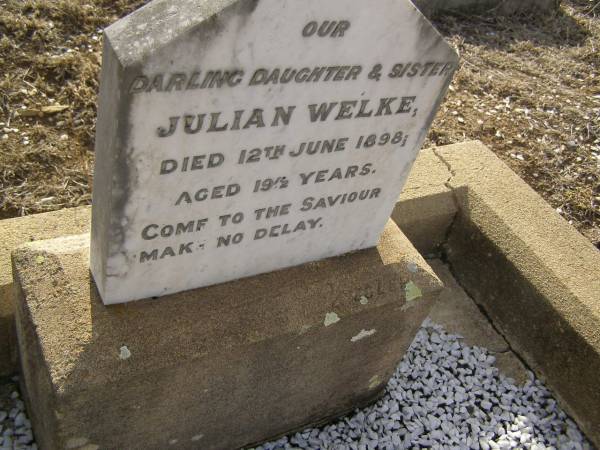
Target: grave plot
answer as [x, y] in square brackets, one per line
[441, 211]
[242, 263]
[260, 143]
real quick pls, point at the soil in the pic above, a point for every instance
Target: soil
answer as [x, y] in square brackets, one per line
[528, 87]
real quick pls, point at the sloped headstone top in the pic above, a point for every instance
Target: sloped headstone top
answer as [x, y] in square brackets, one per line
[241, 137]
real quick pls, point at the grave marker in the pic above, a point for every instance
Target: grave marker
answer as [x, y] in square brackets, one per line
[240, 137]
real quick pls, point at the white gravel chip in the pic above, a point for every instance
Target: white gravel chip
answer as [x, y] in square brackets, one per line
[446, 395]
[15, 427]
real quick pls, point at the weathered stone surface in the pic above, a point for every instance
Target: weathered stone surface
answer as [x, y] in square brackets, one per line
[217, 367]
[187, 165]
[15, 232]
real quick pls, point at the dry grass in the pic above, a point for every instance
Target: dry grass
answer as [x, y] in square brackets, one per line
[528, 87]
[50, 53]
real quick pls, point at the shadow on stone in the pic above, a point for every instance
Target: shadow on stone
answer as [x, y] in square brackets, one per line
[222, 366]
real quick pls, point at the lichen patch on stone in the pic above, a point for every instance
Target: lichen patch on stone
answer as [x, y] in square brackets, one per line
[331, 318]
[124, 353]
[374, 381]
[412, 292]
[363, 334]
[76, 442]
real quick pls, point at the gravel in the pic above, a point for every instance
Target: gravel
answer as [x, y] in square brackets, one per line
[447, 395]
[15, 427]
[444, 395]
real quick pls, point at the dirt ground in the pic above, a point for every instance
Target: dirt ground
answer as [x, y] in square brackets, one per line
[528, 87]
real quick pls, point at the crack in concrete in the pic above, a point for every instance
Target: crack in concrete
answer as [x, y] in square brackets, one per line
[444, 249]
[483, 311]
[448, 184]
[497, 330]
[503, 352]
[447, 164]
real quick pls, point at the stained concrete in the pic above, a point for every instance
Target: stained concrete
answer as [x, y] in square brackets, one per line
[277, 351]
[533, 274]
[15, 232]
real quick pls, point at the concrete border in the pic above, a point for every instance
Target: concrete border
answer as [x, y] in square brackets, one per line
[14, 233]
[542, 283]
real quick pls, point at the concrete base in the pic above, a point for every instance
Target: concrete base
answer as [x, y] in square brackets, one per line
[16, 232]
[426, 208]
[7, 346]
[219, 367]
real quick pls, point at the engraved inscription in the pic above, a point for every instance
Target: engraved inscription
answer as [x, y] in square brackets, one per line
[246, 143]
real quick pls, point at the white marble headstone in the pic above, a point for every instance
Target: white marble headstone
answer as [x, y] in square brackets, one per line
[241, 137]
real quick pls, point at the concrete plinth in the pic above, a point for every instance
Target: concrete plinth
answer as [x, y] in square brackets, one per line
[218, 367]
[16, 232]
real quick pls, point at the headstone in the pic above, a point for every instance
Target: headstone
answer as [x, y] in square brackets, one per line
[240, 137]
